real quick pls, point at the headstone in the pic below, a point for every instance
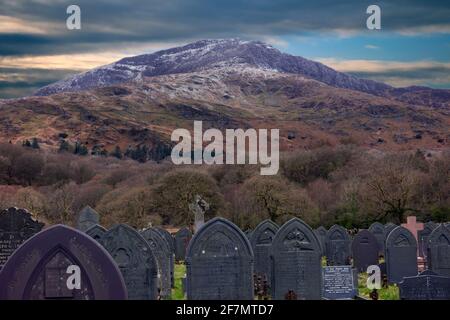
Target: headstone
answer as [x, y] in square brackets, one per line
[135, 260]
[337, 245]
[96, 232]
[401, 255]
[413, 226]
[261, 241]
[422, 237]
[161, 250]
[182, 238]
[169, 239]
[296, 262]
[16, 226]
[339, 283]
[87, 218]
[199, 207]
[439, 251]
[379, 231]
[321, 234]
[248, 233]
[365, 250]
[426, 286]
[41, 267]
[219, 263]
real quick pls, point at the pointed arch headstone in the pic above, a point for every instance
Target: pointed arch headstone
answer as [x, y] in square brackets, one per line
[439, 251]
[219, 263]
[161, 250]
[39, 269]
[337, 245]
[296, 260]
[401, 255]
[135, 260]
[261, 240]
[364, 250]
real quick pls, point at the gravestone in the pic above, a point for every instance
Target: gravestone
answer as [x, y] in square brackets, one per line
[87, 218]
[199, 207]
[296, 262]
[182, 238]
[422, 237]
[248, 233]
[219, 263]
[16, 226]
[426, 286]
[379, 231]
[413, 226]
[339, 283]
[321, 234]
[261, 241]
[401, 255]
[169, 239]
[337, 244]
[365, 250]
[96, 232]
[135, 260]
[41, 269]
[439, 251]
[161, 250]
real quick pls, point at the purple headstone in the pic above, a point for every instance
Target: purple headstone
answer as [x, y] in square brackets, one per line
[45, 267]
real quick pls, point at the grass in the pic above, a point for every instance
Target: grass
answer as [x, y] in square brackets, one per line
[177, 292]
[389, 293]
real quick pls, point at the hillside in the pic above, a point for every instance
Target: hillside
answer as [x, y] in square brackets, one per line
[228, 84]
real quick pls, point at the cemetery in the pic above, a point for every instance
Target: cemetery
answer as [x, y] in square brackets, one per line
[216, 260]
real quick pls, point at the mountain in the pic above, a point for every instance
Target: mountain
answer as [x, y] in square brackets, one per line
[207, 54]
[228, 84]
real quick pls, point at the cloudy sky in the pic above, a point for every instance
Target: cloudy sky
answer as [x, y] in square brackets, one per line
[413, 47]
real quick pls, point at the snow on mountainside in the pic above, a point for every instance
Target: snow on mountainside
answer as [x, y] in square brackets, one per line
[211, 54]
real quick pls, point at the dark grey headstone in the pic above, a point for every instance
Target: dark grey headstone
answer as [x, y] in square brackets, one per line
[96, 232]
[169, 239]
[261, 241]
[337, 245]
[182, 238]
[379, 231]
[426, 286]
[38, 269]
[135, 260]
[365, 250]
[87, 218]
[401, 255]
[439, 251]
[422, 238]
[321, 234]
[248, 233]
[339, 283]
[219, 263]
[296, 262]
[161, 250]
[16, 226]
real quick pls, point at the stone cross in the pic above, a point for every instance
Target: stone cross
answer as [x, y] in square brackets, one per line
[413, 226]
[199, 207]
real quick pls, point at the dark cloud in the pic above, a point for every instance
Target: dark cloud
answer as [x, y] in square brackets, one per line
[105, 24]
[22, 82]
